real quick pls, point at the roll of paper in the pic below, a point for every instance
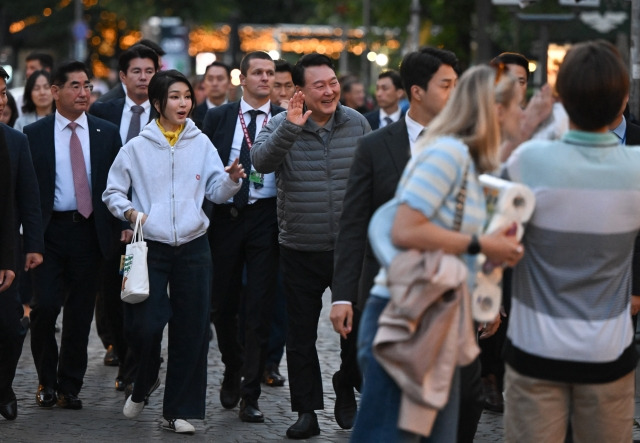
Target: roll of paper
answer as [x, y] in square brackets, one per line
[507, 202]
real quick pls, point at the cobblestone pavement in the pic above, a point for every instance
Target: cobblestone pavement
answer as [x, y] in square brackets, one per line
[101, 418]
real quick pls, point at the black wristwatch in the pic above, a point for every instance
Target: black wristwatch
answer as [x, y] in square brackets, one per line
[474, 245]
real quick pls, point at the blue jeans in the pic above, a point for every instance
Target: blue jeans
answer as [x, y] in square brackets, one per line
[377, 419]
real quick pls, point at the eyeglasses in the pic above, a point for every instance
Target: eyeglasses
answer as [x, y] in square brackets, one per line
[77, 87]
[500, 68]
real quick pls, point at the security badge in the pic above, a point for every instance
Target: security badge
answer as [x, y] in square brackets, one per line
[256, 178]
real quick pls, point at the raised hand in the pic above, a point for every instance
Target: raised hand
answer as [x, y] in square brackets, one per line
[295, 110]
[235, 171]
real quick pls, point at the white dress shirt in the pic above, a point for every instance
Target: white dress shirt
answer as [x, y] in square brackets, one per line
[269, 188]
[413, 129]
[65, 193]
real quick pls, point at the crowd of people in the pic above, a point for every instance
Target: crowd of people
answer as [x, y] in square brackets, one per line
[252, 208]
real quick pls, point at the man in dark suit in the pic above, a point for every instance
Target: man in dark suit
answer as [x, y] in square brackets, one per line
[72, 153]
[428, 77]
[137, 65]
[26, 211]
[217, 79]
[244, 234]
[388, 94]
[118, 91]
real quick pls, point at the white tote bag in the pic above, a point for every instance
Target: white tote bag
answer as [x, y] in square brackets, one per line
[135, 278]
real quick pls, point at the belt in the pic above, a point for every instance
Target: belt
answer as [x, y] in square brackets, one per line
[72, 216]
[233, 211]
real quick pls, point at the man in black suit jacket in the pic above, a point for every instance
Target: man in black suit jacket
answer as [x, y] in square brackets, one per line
[388, 94]
[217, 79]
[26, 209]
[79, 231]
[379, 162]
[244, 235]
[21, 187]
[137, 65]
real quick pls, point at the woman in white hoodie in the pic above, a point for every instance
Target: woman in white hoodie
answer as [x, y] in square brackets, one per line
[170, 168]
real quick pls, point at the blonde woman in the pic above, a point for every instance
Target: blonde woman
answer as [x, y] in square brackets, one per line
[460, 143]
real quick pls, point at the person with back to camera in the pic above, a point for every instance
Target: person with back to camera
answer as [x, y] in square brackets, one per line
[170, 168]
[570, 350]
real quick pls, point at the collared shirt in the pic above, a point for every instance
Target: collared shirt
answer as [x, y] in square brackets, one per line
[126, 117]
[621, 131]
[414, 129]
[211, 105]
[394, 116]
[65, 194]
[269, 188]
[323, 131]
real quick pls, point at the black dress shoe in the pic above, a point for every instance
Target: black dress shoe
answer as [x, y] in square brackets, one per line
[69, 401]
[249, 412]
[272, 377]
[230, 390]
[346, 406]
[120, 384]
[110, 357]
[305, 427]
[493, 400]
[9, 409]
[46, 396]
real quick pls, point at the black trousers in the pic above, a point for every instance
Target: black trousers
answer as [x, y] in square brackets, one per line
[245, 239]
[67, 277]
[11, 334]
[187, 271]
[110, 315]
[306, 275]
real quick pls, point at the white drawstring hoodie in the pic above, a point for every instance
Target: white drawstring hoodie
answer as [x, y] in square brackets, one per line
[168, 183]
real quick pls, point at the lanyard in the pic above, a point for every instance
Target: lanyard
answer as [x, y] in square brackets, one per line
[244, 127]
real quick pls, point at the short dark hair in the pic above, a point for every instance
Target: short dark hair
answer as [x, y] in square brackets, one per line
[28, 104]
[417, 68]
[307, 60]
[159, 88]
[61, 75]
[153, 45]
[137, 51]
[46, 61]
[348, 81]
[4, 74]
[244, 63]
[512, 58]
[394, 76]
[592, 83]
[284, 66]
[220, 64]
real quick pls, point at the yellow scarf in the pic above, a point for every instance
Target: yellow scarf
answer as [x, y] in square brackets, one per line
[172, 136]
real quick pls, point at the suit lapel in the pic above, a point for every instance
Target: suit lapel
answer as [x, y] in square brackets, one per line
[396, 140]
[229, 128]
[94, 149]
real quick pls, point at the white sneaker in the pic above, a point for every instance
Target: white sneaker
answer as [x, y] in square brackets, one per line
[178, 425]
[131, 408]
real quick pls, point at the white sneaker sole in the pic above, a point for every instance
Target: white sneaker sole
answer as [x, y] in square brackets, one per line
[178, 426]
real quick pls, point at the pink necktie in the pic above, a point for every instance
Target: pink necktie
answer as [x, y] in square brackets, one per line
[80, 180]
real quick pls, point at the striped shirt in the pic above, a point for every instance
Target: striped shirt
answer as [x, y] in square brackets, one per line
[431, 183]
[570, 317]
